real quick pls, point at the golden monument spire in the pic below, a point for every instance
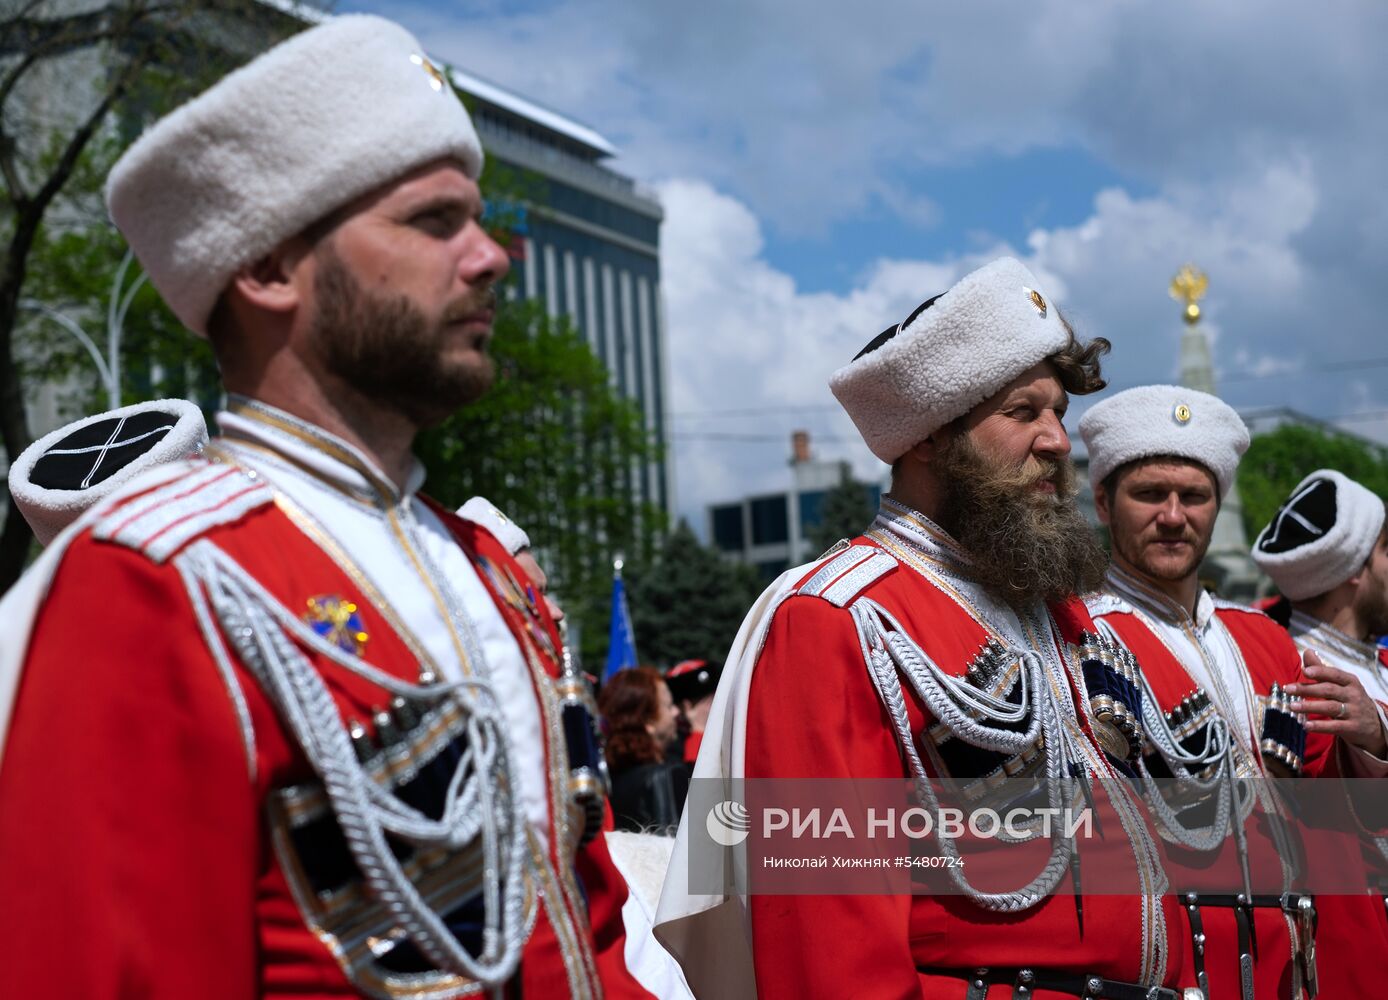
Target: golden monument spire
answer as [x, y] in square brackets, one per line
[1189, 286]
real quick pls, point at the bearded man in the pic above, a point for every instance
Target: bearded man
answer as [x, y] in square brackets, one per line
[1223, 681]
[1326, 549]
[944, 645]
[285, 726]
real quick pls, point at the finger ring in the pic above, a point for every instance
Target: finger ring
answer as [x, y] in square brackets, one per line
[1344, 708]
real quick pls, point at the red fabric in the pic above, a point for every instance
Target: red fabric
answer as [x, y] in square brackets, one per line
[607, 893]
[1349, 926]
[135, 858]
[692, 742]
[813, 712]
[1269, 660]
[600, 882]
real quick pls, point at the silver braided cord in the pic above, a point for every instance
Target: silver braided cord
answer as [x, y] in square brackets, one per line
[890, 653]
[479, 802]
[1217, 746]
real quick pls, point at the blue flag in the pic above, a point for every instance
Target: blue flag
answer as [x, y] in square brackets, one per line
[621, 641]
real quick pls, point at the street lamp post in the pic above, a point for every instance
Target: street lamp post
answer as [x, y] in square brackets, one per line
[117, 307]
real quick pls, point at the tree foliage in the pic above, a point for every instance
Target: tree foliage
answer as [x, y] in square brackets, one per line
[76, 82]
[688, 601]
[556, 448]
[1277, 461]
[554, 444]
[846, 511]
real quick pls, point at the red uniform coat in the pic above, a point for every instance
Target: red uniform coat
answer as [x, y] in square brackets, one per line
[135, 858]
[814, 712]
[1271, 658]
[1219, 871]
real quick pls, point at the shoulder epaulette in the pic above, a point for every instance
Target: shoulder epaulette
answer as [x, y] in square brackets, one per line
[162, 521]
[845, 574]
[1104, 603]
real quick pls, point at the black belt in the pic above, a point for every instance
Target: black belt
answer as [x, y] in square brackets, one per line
[1025, 981]
[1302, 908]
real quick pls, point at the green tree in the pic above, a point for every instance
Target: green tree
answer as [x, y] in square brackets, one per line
[556, 448]
[554, 445]
[845, 512]
[71, 259]
[1277, 461]
[76, 81]
[688, 601]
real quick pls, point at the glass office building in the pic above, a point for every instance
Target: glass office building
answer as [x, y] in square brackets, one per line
[588, 246]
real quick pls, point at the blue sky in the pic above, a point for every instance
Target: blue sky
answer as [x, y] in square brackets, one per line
[977, 203]
[825, 167]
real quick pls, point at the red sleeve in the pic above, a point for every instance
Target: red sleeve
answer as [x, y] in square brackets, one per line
[813, 712]
[607, 893]
[129, 832]
[1320, 759]
[1271, 657]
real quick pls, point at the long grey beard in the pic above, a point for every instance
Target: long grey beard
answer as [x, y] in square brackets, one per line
[1025, 546]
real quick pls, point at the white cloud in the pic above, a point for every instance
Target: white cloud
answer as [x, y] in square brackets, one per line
[751, 355]
[1257, 127]
[810, 111]
[747, 344]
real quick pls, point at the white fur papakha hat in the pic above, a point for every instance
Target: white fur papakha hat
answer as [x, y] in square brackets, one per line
[1321, 536]
[951, 354]
[65, 472]
[305, 128]
[1151, 421]
[481, 511]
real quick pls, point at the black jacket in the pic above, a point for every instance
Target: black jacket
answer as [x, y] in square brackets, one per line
[649, 797]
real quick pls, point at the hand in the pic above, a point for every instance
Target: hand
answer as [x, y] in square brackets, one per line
[1349, 712]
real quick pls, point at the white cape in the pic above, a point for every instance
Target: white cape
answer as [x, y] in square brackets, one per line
[710, 935]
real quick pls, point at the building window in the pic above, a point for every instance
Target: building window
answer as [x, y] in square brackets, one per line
[727, 527]
[770, 525]
[811, 510]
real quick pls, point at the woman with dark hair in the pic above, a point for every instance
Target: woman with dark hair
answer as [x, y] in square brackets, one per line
[647, 790]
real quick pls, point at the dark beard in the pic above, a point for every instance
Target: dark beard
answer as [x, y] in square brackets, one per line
[1025, 546]
[1373, 608]
[386, 349]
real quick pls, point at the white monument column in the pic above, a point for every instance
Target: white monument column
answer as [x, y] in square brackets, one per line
[1227, 563]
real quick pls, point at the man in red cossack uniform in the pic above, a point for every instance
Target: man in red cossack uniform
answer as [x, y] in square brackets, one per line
[943, 645]
[278, 724]
[1222, 683]
[1326, 549]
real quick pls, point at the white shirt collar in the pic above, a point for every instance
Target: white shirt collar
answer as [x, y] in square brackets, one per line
[1350, 648]
[1154, 602]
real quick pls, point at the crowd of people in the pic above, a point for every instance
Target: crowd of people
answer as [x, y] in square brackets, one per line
[275, 723]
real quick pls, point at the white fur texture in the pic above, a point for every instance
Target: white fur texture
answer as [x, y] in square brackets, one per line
[1143, 423]
[50, 511]
[1316, 567]
[320, 119]
[480, 510]
[643, 859]
[976, 338]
